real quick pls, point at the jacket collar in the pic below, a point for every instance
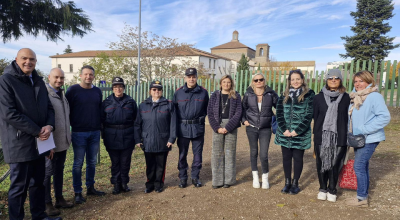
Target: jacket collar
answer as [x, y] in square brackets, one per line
[161, 101]
[51, 91]
[15, 71]
[196, 89]
[267, 89]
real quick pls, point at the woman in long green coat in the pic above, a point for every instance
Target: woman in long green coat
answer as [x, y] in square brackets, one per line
[294, 112]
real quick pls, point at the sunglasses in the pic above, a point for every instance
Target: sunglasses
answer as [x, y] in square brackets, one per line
[258, 80]
[331, 78]
[156, 89]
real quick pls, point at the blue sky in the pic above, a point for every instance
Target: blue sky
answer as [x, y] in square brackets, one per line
[295, 29]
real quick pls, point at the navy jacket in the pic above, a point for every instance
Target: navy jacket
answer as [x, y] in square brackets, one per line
[24, 110]
[250, 107]
[235, 112]
[191, 105]
[155, 125]
[120, 113]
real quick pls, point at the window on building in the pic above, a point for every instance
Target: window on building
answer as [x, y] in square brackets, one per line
[261, 52]
[71, 68]
[214, 63]
[235, 37]
[209, 63]
[59, 66]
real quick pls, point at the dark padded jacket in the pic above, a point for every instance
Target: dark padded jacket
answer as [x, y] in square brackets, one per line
[295, 116]
[24, 110]
[191, 105]
[155, 125]
[251, 112]
[235, 112]
[120, 113]
[320, 108]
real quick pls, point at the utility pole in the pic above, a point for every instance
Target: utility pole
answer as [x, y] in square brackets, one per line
[140, 33]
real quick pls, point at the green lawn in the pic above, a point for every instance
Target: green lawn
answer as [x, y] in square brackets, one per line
[103, 174]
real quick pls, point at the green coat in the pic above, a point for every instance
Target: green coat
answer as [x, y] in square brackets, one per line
[296, 116]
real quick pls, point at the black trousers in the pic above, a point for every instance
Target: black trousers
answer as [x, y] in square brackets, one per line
[289, 154]
[120, 165]
[24, 176]
[155, 169]
[262, 136]
[197, 148]
[55, 168]
[329, 179]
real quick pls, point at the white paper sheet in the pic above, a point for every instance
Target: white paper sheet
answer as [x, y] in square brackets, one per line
[46, 145]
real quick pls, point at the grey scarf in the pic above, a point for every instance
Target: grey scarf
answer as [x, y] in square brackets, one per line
[328, 151]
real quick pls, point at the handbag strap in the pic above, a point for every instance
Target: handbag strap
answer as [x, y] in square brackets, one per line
[347, 156]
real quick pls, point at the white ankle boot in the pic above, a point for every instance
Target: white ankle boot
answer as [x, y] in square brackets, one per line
[265, 183]
[256, 180]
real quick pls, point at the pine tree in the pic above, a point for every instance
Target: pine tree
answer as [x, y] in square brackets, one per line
[370, 41]
[243, 64]
[49, 17]
[68, 49]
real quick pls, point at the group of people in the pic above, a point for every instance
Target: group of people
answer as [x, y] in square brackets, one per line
[31, 110]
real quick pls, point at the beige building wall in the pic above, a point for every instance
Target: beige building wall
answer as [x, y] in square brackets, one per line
[65, 65]
[234, 54]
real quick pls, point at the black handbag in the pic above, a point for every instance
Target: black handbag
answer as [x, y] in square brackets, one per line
[355, 141]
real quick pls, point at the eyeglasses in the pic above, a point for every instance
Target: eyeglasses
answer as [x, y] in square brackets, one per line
[331, 78]
[156, 89]
[258, 80]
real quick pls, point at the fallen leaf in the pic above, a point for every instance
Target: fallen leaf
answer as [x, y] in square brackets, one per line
[280, 205]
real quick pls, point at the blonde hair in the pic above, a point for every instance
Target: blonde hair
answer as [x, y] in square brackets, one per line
[232, 92]
[366, 76]
[252, 81]
[304, 86]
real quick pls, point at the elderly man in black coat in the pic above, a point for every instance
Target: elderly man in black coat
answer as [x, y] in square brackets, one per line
[26, 113]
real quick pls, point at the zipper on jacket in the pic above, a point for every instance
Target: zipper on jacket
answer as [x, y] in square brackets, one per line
[290, 124]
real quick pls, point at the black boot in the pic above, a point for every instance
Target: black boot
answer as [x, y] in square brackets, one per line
[79, 198]
[92, 191]
[295, 187]
[116, 189]
[125, 187]
[196, 182]
[183, 183]
[287, 186]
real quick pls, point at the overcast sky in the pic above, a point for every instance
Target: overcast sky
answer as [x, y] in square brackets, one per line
[296, 30]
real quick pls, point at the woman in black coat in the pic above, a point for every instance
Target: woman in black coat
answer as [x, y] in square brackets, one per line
[118, 116]
[257, 115]
[330, 133]
[155, 132]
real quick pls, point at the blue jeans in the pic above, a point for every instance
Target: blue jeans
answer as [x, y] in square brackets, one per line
[89, 143]
[361, 163]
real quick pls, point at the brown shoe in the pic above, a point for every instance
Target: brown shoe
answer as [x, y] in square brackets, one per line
[61, 203]
[356, 203]
[51, 211]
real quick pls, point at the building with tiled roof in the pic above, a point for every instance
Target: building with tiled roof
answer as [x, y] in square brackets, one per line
[71, 63]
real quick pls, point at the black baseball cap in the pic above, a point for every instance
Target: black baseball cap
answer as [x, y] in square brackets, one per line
[156, 84]
[117, 81]
[191, 71]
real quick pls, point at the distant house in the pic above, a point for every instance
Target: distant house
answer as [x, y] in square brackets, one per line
[71, 63]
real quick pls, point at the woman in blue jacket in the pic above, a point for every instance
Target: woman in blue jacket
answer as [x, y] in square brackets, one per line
[155, 132]
[368, 116]
[118, 115]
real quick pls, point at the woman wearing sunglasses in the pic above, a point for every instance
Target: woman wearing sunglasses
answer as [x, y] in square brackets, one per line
[330, 133]
[155, 132]
[294, 113]
[257, 115]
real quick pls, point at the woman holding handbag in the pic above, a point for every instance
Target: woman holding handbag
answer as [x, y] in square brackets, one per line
[224, 114]
[257, 116]
[294, 113]
[368, 116]
[330, 133]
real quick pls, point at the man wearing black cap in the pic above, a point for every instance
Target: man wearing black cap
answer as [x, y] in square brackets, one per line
[191, 101]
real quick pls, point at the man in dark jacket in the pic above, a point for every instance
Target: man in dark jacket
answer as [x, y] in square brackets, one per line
[191, 101]
[26, 113]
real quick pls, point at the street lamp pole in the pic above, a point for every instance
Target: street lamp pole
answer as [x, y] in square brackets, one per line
[139, 46]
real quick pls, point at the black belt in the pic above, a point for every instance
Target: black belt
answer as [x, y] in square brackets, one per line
[195, 121]
[119, 126]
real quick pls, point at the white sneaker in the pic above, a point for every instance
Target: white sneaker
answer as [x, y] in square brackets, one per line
[256, 180]
[265, 183]
[331, 197]
[322, 196]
